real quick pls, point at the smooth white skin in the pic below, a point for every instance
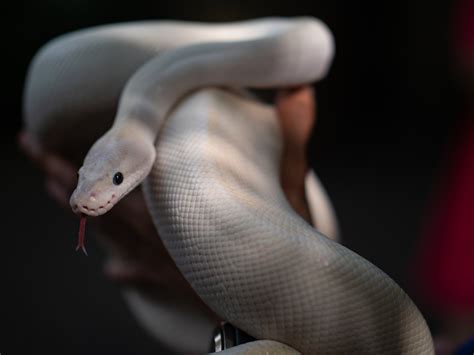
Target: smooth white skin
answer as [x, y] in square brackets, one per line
[307, 275]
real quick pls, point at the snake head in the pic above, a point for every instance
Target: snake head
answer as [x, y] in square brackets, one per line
[115, 165]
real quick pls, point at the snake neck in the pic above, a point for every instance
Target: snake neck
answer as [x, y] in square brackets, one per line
[285, 53]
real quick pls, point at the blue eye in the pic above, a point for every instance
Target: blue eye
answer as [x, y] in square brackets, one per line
[118, 178]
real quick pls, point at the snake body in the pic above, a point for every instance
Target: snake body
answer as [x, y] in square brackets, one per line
[209, 160]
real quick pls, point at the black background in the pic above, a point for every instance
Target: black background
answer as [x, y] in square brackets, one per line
[386, 115]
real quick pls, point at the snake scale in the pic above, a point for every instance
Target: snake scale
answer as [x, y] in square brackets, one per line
[208, 158]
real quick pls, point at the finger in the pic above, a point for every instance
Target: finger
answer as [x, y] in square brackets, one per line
[58, 192]
[134, 272]
[29, 146]
[64, 172]
[57, 168]
[296, 110]
[296, 114]
[130, 272]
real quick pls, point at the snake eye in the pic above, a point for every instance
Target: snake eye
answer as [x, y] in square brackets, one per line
[118, 178]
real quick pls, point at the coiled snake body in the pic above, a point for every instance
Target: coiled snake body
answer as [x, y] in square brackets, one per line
[211, 182]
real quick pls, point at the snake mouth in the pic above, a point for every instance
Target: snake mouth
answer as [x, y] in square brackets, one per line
[94, 212]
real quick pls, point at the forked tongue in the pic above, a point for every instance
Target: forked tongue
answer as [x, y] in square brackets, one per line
[82, 234]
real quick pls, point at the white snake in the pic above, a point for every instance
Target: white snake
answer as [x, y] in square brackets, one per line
[212, 181]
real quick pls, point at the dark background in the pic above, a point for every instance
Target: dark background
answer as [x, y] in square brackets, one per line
[386, 115]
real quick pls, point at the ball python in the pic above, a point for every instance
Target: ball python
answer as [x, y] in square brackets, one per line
[207, 156]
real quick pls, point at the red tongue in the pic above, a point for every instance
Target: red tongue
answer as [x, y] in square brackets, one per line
[82, 234]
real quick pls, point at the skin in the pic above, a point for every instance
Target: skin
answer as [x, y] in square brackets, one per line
[137, 257]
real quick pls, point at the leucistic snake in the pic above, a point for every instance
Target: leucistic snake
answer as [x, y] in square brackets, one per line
[207, 155]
